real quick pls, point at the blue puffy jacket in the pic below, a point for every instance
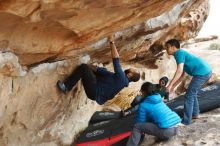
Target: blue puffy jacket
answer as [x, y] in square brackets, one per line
[154, 110]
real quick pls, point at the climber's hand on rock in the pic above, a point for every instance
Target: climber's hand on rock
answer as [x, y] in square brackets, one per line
[111, 38]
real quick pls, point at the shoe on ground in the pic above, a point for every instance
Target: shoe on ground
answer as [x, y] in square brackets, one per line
[195, 117]
[158, 140]
[181, 125]
[61, 86]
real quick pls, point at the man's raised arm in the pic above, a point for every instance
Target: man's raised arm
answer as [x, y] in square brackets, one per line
[114, 51]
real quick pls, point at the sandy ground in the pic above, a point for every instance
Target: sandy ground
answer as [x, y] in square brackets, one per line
[206, 130]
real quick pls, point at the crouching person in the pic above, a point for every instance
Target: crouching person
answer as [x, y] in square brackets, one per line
[153, 117]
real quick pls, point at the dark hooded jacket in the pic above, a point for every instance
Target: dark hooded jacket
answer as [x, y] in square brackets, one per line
[162, 90]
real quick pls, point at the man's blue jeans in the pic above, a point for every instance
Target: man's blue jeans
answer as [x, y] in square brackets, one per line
[191, 105]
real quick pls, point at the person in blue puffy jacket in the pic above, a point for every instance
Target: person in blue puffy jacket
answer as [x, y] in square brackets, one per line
[153, 117]
[159, 88]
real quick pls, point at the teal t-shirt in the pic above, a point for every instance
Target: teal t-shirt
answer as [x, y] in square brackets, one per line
[193, 65]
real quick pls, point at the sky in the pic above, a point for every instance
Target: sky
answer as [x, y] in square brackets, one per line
[212, 23]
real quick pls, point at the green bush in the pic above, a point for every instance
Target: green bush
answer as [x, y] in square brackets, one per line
[214, 46]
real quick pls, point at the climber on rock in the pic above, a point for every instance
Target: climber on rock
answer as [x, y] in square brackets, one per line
[100, 84]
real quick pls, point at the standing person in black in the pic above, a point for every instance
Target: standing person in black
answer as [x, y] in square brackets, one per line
[100, 84]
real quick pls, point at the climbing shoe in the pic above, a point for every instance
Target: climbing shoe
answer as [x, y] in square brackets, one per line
[61, 86]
